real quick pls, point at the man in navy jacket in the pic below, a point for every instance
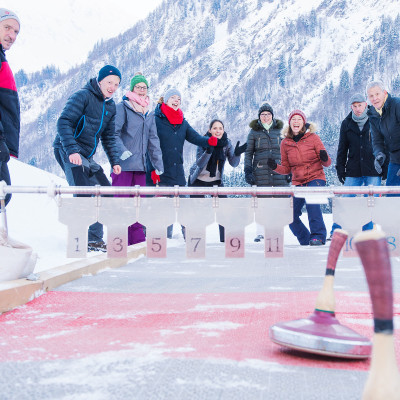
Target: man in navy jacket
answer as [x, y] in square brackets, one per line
[9, 102]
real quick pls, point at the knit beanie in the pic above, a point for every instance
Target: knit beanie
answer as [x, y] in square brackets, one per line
[297, 112]
[265, 107]
[137, 79]
[108, 70]
[8, 14]
[171, 92]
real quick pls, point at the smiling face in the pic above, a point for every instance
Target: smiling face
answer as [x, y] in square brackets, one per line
[9, 29]
[217, 130]
[140, 89]
[377, 96]
[266, 117]
[358, 108]
[296, 124]
[174, 102]
[109, 85]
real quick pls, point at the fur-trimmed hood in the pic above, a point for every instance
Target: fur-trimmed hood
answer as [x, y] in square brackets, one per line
[311, 128]
[256, 124]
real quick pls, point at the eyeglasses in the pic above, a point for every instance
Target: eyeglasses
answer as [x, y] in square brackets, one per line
[265, 114]
[140, 87]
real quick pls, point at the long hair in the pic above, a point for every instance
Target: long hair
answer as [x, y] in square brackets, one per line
[290, 132]
[213, 122]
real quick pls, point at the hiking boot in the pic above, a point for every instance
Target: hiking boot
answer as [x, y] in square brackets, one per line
[316, 242]
[97, 246]
[259, 238]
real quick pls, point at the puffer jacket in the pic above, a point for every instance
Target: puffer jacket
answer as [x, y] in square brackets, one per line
[302, 158]
[137, 133]
[86, 118]
[263, 144]
[9, 107]
[202, 158]
[172, 138]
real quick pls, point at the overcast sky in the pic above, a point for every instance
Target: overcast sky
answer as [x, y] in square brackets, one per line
[62, 32]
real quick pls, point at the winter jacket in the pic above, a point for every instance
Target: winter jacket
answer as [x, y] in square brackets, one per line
[302, 158]
[9, 107]
[386, 128]
[263, 144]
[172, 138]
[86, 118]
[202, 158]
[137, 133]
[355, 156]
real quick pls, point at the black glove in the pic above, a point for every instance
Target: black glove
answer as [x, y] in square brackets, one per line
[323, 155]
[289, 178]
[379, 161]
[4, 152]
[249, 176]
[341, 178]
[240, 149]
[272, 163]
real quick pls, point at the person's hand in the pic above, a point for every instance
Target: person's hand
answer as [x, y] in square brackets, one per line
[212, 141]
[272, 163]
[323, 155]
[126, 154]
[249, 176]
[75, 158]
[341, 178]
[240, 149]
[155, 177]
[289, 178]
[117, 169]
[379, 161]
[4, 152]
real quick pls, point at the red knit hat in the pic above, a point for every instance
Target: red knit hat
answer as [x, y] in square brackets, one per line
[297, 112]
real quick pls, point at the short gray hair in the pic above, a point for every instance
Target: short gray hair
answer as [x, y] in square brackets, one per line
[372, 84]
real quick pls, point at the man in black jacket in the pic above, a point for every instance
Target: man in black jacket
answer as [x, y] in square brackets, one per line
[9, 103]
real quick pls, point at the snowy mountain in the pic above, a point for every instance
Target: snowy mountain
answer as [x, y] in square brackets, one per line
[227, 57]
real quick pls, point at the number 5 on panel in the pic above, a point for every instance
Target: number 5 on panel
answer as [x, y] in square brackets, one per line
[157, 247]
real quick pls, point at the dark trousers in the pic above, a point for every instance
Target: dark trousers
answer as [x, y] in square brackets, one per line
[199, 183]
[315, 218]
[5, 176]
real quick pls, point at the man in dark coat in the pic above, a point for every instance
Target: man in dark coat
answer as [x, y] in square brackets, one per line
[89, 116]
[9, 102]
[384, 117]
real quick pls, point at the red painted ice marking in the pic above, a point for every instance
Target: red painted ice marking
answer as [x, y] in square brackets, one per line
[63, 325]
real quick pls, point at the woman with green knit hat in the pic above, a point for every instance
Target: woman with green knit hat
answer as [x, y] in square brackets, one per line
[136, 135]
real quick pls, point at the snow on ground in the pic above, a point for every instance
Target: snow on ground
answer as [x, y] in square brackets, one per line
[33, 219]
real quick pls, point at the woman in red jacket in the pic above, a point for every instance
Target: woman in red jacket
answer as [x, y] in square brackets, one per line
[304, 155]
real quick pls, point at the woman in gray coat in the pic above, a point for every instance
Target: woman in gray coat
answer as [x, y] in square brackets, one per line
[136, 135]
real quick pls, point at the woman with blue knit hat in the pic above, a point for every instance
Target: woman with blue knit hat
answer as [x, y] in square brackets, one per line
[173, 131]
[136, 135]
[87, 118]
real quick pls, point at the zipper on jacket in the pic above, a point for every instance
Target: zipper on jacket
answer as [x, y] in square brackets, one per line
[95, 136]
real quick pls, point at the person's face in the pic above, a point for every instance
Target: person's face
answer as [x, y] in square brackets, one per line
[217, 130]
[109, 85]
[174, 102]
[296, 123]
[359, 108]
[140, 89]
[9, 30]
[377, 96]
[266, 117]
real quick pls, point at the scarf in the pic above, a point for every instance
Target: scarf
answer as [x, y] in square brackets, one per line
[296, 138]
[173, 117]
[267, 126]
[139, 103]
[218, 155]
[361, 120]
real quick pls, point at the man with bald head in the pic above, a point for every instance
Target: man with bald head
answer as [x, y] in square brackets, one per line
[9, 102]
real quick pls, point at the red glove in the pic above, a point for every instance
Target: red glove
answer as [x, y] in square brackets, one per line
[212, 141]
[155, 177]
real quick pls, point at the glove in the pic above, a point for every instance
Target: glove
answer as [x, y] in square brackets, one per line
[240, 149]
[272, 163]
[249, 176]
[379, 161]
[126, 154]
[341, 178]
[212, 141]
[323, 155]
[155, 177]
[289, 178]
[4, 152]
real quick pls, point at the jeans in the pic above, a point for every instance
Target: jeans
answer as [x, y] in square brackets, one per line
[5, 176]
[87, 174]
[392, 178]
[315, 218]
[359, 181]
